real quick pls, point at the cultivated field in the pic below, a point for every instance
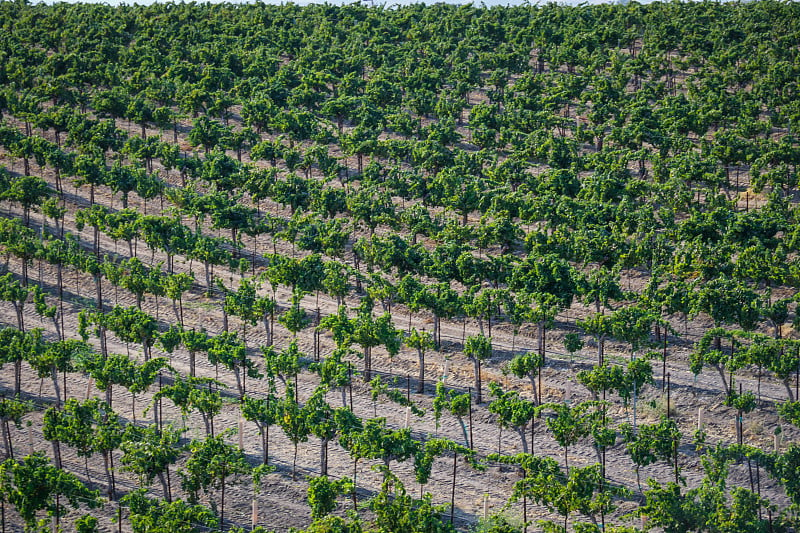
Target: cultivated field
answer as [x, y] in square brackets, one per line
[245, 225]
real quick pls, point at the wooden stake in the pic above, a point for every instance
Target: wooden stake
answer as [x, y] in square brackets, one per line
[471, 443]
[668, 387]
[453, 493]
[350, 382]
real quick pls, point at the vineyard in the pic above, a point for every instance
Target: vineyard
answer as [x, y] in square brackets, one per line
[411, 269]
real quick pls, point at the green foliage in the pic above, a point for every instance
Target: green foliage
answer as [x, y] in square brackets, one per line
[434, 448]
[295, 318]
[375, 441]
[369, 331]
[322, 494]
[117, 369]
[703, 508]
[398, 512]
[171, 339]
[379, 388]
[321, 418]
[618, 142]
[335, 524]
[632, 324]
[478, 347]
[340, 325]
[607, 378]
[153, 515]
[336, 282]
[194, 394]
[13, 409]
[39, 301]
[27, 191]
[649, 443]
[86, 524]
[228, 350]
[129, 324]
[194, 341]
[638, 373]
[549, 279]
[32, 485]
[293, 419]
[743, 348]
[526, 365]
[727, 302]
[790, 411]
[497, 523]
[285, 364]
[148, 452]
[263, 411]
[333, 370]
[572, 343]
[570, 424]
[59, 356]
[211, 462]
[457, 404]
[580, 490]
[744, 402]
[419, 340]
[785, 470]
[242, 302]
[17, 346]
[90, 426]
[512, 411]
[206, 133]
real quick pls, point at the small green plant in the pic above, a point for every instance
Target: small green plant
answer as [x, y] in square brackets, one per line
[572, 343]
[86, 524]
[322, 493]
[498, 523]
